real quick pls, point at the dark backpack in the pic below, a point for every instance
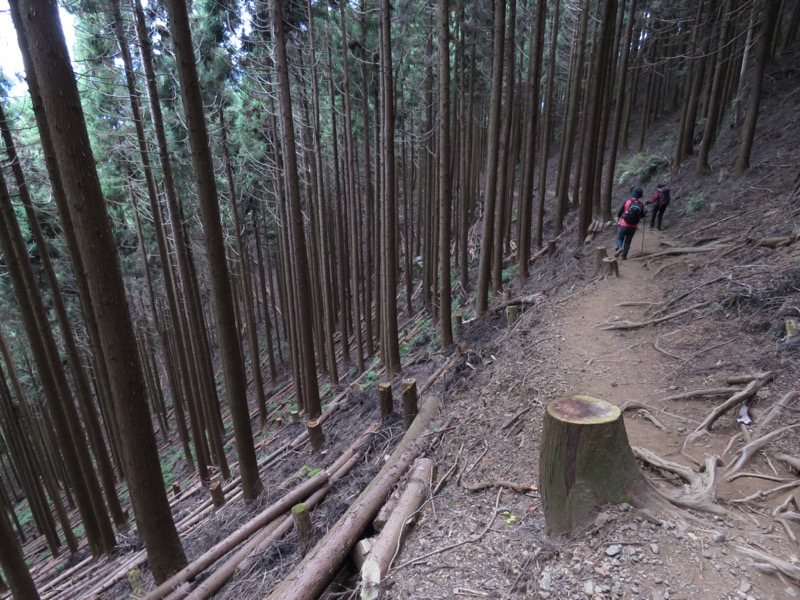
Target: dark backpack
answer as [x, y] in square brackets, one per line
[634, 213]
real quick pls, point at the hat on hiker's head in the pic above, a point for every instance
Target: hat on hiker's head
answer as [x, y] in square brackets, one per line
[661, 186]
[638, 192]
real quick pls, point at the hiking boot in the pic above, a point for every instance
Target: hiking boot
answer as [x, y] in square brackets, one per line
[624, 257]
[618, 252]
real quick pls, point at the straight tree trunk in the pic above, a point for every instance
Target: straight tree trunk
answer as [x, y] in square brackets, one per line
[445, 191]
[233, 365]
[389, 338]
[548, 125]
[13, 562]
[485, 264]
[611, 163]
[306, 348]
[757, 78]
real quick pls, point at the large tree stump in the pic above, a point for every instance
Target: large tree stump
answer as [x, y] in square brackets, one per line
[586, 462]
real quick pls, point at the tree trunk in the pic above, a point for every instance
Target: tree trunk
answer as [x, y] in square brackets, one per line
[586, 462]
[305, 334]
[445, 185]
[233, 364]
[389, 337]
[756, 82]
[490, 193]
[13, 562]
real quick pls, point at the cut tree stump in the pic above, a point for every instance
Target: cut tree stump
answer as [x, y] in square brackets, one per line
[600, 253]
[410, 399]
[217, 494]
[305, 528]
[315, 435]
[609, 267]
[586, 462]
[512, 313]
[385, 400]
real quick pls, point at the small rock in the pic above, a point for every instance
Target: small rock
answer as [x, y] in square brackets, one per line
[601, 519]
[588, 588]
[545, 580]
[613, 550]
[707, 554]
[654, 548]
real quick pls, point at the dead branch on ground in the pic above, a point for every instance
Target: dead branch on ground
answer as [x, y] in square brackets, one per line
[519, 488]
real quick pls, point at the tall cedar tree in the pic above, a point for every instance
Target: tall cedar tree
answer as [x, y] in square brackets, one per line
[389, 339]
[230, 349]
[769, 16]
[445, 195]
[92, 225]
[487, 230]
[306, 346]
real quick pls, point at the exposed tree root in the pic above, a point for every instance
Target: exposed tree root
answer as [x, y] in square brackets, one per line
[761, 494]
[701, 394]
[519, 488]
[770, 564]
[734, 400]
[746, 452]
[639, 324]
[792, 461]
[775, 410]
[701, 492]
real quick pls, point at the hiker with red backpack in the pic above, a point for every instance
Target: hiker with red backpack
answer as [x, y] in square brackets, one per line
[660, 200]
[629, 216]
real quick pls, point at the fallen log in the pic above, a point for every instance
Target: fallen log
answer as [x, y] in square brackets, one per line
[301, 492]
[387, 544]
[777, 242]
[312, 575]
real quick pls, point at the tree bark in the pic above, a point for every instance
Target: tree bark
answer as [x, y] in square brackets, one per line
[756, 83]
[585, 462]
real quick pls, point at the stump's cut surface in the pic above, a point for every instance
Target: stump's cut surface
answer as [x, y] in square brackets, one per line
[586, 462]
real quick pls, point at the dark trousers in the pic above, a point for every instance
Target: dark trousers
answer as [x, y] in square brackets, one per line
[657, 215]
[624, 238]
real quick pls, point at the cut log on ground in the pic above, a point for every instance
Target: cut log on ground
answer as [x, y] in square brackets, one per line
[586, 462]
[387, 544]
[313, 574]
[220, 549]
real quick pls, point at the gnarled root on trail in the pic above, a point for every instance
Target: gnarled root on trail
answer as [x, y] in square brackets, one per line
[700, 493]
[770, 564]
[739, 397]
[747, 451]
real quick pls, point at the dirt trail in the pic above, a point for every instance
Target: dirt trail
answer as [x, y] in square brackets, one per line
[612, 365]
[492, 543]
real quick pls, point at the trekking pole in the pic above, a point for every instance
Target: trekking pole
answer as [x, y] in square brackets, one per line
[644, 228]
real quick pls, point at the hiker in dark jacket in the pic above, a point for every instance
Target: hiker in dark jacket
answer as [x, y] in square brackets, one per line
[660, 201]
[629, 216]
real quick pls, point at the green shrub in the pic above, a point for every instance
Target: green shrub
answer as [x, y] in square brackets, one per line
[640, 168]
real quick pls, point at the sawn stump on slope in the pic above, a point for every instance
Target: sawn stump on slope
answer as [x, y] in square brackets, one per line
[586, 462]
